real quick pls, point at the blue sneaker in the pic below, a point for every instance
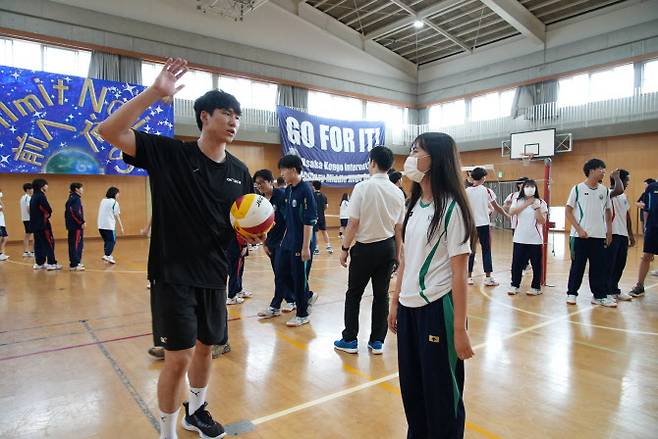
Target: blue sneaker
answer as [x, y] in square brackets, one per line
[351, 347]
[376, 347]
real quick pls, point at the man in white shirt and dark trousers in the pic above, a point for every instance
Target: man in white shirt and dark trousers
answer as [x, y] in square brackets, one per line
[589, 210]
[622, 236]
[480, 198]
[376, 215]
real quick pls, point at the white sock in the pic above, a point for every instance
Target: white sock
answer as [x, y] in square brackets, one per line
[168, 425]
[197, 398]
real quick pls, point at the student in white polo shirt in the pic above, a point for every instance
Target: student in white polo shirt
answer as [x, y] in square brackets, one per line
[428, 303]
[507, 204]
[108, 215]
[622, 236]
[28, 239]
[531, 213]
[480, 199]
[589, 211]
[376, 214]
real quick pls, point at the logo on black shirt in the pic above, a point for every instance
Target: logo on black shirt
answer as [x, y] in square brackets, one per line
[233, 180]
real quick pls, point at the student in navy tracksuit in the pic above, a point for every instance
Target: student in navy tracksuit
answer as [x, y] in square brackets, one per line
[296, 248]
[44, 242]
[75, 224]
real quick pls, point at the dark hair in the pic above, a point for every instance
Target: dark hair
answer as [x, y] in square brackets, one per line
[27, 187]
[317, 185]
[38, 184]
[112, 192]
[445, 180]
[591, 165]
[265, 174]
[215, 100]
[291, 161]
[344, 197]
[649, 181]
[530, 182]
[522, 180]
[478, 173]
[394, 177]
[280, 181]
[74, 186]
[382, 156]
[623, 176]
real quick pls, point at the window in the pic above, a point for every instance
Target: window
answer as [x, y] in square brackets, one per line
[614, 83]
[149, 72]
[448, 114]
[334, 106]
[196, 83]
[250, 94]
[492, 105]
[650, 77]
[394, 117]
[36, 56]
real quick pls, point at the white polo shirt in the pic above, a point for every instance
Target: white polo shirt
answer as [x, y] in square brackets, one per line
[25, 207]
[107, 212]
[479, 197]
[344, 209]
[589, 206]
[620, 208]
[2, 216]
[427, 271]
[528, 230]
[511, 198]
[378, 204]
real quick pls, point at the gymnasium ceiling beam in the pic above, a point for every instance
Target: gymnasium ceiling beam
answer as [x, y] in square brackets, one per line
[520, 18]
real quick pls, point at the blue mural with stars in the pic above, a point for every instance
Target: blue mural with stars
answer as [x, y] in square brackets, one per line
[49, 123]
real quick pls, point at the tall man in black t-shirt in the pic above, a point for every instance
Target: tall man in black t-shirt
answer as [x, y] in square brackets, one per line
[193, 185]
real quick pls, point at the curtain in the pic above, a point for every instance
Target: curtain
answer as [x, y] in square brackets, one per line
[113, 67]
[291, 96]
[528, 96]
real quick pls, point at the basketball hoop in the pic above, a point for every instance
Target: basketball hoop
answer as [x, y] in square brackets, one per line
[527, 158]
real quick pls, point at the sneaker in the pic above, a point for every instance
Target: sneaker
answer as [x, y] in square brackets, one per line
[109, 259]
[316, 251]
[157, 352]
[27, 254]
[311, 301]
[330, 250]
[78, 267]
[289, 307]
[3, 257]
[490, 282]
[513, 291]
[297, 321]
[269, 313]
[31, 254]
[53, 267]
[571, 299]
[376, 347]
[202, 422]
[220, 349]
[624, 297]
[533, 292]
[148, 286]
[237, 300]
[470, 281]
[39, 267]
[606, 302]
[654, 273]
[351, 347]
[245, 294]
[637, 291]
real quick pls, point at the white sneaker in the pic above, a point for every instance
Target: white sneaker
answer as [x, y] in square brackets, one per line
[78, 267]
[269, 313]
[625, 297]
[654, 273]
[512, 290]
[245, 294]
[39, 267]
[571, 299]
[311, 302]
[289, 307]
[330, 250]
[490, 282]
[297, 321]
[606, 302]
[27, 254]
[3, 257]
[53, 267]
[470, 281]
[533, 292]
[237, 300]
[109, 259]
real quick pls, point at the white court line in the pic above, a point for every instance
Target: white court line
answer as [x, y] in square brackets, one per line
[369, 384]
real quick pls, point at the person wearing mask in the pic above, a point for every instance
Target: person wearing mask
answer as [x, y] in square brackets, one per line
[429, 302]
[75, 224]
[109, 213]
[28, 238]
[44, 241]
[531, 213]
[376, 214]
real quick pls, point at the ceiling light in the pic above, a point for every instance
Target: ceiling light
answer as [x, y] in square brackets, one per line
[418, 24]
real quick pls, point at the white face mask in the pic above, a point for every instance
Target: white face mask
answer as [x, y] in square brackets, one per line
[411, 169]
[529, 191]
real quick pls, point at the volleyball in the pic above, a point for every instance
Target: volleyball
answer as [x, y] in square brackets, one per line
[252, 215]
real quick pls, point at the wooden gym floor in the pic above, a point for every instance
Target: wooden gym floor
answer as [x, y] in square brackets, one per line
[73, 360]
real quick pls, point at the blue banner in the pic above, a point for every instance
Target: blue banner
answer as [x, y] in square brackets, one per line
[49, 123]
[334, 152]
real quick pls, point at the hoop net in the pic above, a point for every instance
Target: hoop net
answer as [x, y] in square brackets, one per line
[527, 158]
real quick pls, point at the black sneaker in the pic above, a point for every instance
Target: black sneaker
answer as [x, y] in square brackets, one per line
[202, 422]
[637, 291]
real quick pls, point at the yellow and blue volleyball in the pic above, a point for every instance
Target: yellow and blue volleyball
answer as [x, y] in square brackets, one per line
[252, 215]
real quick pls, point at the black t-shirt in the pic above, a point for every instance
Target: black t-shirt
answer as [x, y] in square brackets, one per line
[191, 200]
[320, 203]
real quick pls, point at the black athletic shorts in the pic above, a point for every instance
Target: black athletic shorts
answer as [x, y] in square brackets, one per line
[343, 222]
[183, 314]
[322, 223]
[651, 240]
[28, 229]
[3, 231]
